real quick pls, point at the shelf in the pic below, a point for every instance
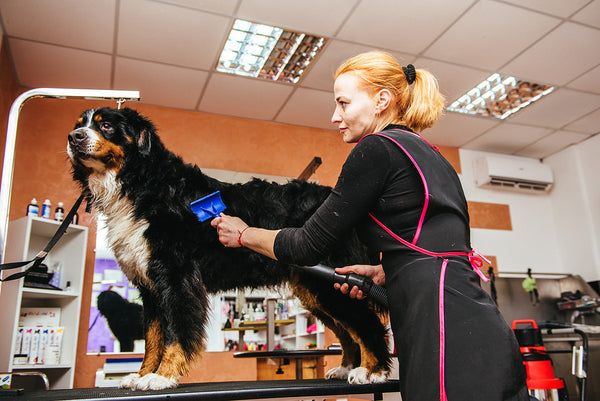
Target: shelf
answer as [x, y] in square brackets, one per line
[314, 333]
[258, 325]
[36, 367]
[41, 293]
[47, 227]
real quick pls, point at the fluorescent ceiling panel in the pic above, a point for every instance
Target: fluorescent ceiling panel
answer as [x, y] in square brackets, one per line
[499, 97]
[268, 52]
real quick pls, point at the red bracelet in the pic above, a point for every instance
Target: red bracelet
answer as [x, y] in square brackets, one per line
[240, 237]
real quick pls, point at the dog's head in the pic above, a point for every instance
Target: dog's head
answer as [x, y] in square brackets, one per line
[103, 139]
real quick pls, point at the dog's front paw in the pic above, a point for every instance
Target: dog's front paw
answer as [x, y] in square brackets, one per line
[340, 373]
[362, 376]
[129, 381]
[152, 381]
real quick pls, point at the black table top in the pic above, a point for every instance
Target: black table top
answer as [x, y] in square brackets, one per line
[245, 390]
[286, 353]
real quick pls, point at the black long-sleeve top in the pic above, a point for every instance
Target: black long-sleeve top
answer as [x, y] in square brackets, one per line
[378, 177]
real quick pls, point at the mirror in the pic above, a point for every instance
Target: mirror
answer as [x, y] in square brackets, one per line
[116, 323]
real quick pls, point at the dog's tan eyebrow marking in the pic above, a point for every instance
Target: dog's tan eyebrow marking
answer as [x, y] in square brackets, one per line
[80, 120]
[98, 118]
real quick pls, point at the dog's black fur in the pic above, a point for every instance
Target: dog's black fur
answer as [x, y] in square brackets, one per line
[125, 319]
[176, 261]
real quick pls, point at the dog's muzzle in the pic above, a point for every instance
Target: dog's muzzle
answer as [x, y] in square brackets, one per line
[81, 142]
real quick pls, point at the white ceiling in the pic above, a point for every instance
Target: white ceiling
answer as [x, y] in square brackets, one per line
[168, 50]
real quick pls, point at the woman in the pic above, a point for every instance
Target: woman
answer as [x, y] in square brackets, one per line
[407, 203]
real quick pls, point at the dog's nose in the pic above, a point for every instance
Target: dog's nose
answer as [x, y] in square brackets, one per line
[77, 136]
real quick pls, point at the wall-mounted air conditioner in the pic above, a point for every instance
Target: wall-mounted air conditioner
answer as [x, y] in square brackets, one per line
[513, 173]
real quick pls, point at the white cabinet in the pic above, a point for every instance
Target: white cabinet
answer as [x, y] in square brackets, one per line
[296, 337]
[26, 237]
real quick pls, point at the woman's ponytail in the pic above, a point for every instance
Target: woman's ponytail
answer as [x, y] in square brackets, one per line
[426, 102]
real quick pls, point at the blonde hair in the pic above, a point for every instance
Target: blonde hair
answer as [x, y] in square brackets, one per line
[417, 109]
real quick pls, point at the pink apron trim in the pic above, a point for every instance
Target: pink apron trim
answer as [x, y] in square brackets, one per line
[475, 258]
[425, 187]
[442, 332]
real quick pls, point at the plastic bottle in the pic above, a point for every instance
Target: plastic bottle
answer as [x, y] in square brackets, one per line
[59, 213]
[33, 209]
[46, 207]
[75, 218]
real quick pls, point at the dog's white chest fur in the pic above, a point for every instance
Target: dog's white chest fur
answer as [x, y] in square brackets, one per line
[125, 233]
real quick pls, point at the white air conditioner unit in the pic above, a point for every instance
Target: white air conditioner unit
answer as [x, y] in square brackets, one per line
[513, 173]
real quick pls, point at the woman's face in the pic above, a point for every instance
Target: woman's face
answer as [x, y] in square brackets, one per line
[355, 109]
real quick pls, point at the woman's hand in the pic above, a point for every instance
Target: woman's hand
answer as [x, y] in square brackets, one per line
[229, 230]
[375, 273]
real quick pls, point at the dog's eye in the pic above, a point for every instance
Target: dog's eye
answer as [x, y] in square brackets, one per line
[105, 126]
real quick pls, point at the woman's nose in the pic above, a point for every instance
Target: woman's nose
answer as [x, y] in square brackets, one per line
[336, 118]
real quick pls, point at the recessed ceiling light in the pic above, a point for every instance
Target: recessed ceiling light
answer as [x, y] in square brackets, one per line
[268, 52]
[499, 97]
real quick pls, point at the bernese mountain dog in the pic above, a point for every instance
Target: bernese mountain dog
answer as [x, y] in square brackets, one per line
[176, 261]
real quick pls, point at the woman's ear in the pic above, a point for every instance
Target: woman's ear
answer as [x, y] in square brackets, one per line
[383, 100]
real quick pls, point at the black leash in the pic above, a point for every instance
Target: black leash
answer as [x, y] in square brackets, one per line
[39, 258]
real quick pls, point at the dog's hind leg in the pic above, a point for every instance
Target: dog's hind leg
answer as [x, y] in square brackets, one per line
[350, 349]
[375, 359]
[351, 353]
[349, 318]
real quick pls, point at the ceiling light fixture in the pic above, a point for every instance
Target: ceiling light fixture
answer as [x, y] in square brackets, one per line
[499, 97]
[268, 52]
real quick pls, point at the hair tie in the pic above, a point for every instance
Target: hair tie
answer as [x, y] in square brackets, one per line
[410, 73]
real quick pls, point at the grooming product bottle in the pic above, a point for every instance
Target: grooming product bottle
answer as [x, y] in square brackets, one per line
[46, 207]
[33, 209]
[59, 213]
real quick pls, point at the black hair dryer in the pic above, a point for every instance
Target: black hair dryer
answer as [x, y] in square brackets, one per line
[366, 285]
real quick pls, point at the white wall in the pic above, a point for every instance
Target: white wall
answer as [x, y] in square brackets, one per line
[576, 206]
[557, 232]
[532, 242]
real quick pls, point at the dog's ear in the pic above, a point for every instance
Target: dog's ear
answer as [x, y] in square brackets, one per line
[142, 130]
[144, 141]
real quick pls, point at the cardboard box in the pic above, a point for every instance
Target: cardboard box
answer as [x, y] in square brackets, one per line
[39, 317]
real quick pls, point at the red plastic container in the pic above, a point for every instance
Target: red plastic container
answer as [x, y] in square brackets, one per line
[541, 382]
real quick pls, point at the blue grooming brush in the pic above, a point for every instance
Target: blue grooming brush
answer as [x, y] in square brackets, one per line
[208, 207]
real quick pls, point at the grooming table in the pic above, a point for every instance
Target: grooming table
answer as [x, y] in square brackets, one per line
[317, 389]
